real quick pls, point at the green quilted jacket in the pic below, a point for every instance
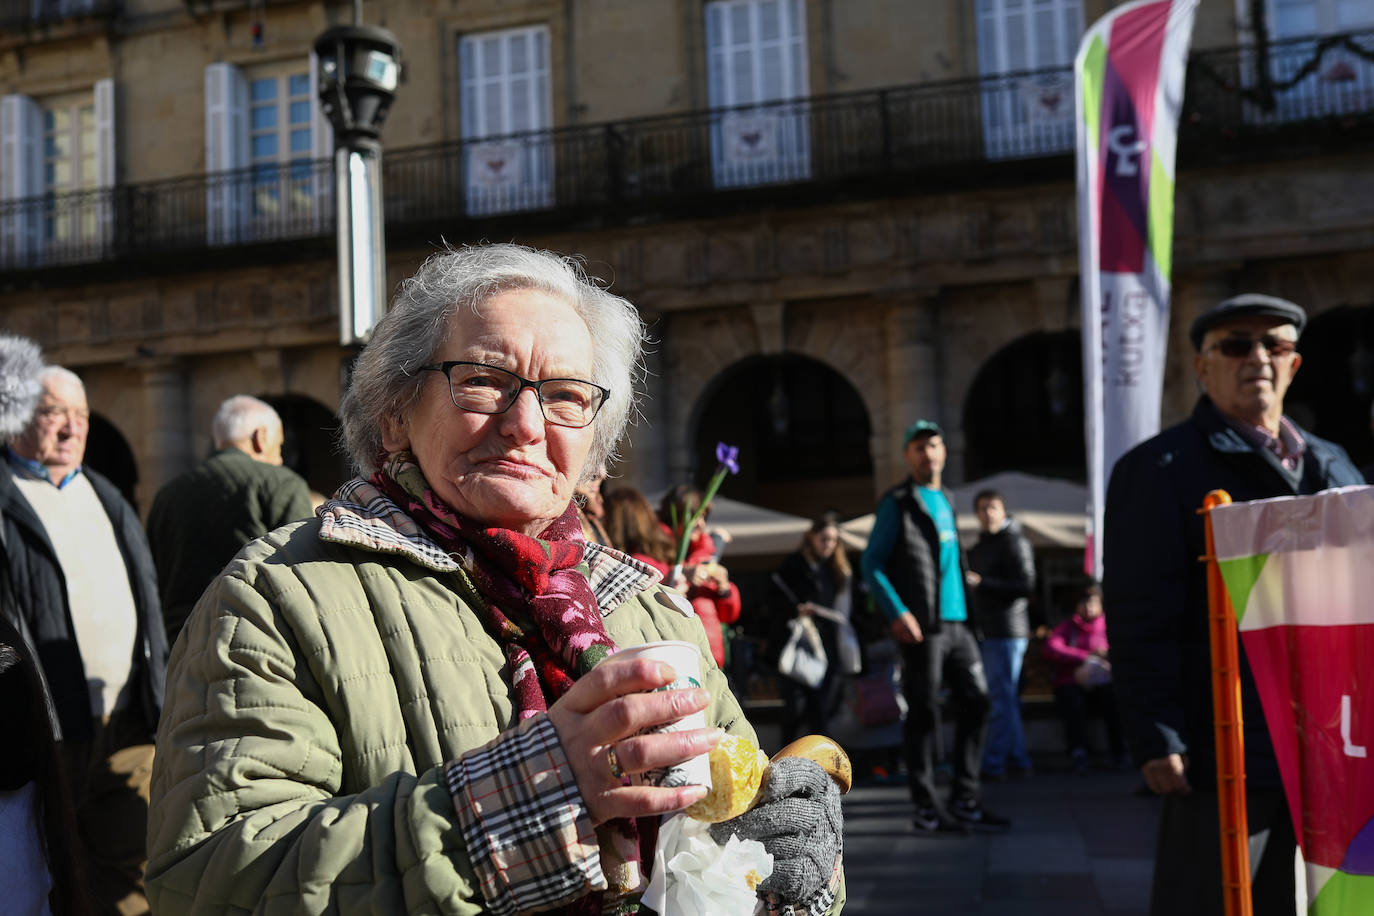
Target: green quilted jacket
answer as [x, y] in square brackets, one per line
[312, 701]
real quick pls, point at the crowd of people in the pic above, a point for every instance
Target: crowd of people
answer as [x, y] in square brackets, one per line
[411, 693]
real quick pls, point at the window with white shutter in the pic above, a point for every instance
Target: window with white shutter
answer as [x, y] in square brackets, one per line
[57, 156]
[1025, 57]
[265, 153]
[21, 180]
[506, 116]
[756, 65]
[1342, 82]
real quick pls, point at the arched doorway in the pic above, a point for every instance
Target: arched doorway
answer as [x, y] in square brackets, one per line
[310, 449]
[802, 431]
[1024, 411]
[108, 453]
[1334, 387]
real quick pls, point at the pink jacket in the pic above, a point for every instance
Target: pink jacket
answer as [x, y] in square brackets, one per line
[1073, 641]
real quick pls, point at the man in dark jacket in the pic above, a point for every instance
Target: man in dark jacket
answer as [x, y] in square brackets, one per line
[83, 584]
[915, 571]
[1237, 439]
[1002, 573]
[242, 487]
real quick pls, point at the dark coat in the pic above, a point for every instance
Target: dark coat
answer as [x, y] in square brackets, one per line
[1006, 562]
[914, 564]
[244, 498]
[802, 583]
[1155, 591]
[39, 589]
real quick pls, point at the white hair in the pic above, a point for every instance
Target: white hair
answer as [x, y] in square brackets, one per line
[63, 373]
[21, 364]
[386, 381]
[238, 416]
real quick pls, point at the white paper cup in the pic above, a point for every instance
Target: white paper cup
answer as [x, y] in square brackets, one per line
[686, 662]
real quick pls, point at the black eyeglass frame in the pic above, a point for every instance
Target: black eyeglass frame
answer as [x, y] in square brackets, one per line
[446, 367]
[1272, 344]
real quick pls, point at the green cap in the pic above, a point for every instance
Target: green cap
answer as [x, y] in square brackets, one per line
[921, 428]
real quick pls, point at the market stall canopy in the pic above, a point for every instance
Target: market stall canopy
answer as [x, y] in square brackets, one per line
[754, 530]
[1052, 512]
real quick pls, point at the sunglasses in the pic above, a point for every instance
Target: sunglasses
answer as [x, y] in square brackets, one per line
[1241, 347]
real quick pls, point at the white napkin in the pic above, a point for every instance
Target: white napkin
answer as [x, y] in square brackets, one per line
[694, 876]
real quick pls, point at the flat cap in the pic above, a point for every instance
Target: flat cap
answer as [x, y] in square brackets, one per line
[1243, 306]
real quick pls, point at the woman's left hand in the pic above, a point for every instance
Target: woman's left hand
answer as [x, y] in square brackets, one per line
[798, 819]
[608, 708]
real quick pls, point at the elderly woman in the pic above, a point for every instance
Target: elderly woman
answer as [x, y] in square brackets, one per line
[411, 703]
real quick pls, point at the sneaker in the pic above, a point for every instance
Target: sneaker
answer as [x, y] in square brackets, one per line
[971, 812]
[933, 820]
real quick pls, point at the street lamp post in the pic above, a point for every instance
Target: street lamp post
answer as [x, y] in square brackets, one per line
[359, 66]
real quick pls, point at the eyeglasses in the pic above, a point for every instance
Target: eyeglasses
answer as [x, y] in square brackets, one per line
[1241, 347]
[479, 388]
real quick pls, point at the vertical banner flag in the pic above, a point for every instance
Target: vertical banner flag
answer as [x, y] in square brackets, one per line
[1128, 79]
[1300, 574]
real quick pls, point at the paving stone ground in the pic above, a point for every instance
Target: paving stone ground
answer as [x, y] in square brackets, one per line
[1078, 846]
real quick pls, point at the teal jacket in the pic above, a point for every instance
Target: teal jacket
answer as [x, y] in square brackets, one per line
[200, 519]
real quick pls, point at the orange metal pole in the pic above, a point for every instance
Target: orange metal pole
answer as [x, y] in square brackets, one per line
[1230, 738]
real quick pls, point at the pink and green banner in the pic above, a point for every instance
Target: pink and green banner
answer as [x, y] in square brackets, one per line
[1300, 573]
[1129, 76]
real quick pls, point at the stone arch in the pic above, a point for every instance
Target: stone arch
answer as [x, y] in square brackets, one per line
[310, 448]
[802, 429]
[1024, 410]
[1334, 387]
[849, 342]
[109, 453]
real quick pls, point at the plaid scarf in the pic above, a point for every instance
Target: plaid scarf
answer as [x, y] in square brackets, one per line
[539, 606]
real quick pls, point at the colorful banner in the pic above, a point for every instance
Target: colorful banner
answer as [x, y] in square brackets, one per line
[1300, 573]
[1128, 91]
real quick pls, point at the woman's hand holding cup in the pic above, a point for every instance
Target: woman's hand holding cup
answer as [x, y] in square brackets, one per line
[599, 723]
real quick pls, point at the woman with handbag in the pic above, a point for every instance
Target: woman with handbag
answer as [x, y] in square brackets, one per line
[813, 587]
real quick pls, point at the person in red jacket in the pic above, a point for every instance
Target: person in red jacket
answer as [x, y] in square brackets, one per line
[1082, 679]
[713, 595]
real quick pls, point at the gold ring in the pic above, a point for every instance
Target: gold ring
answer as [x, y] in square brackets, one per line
[616, 772]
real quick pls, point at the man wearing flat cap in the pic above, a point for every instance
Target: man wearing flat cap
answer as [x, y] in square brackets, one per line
[916, 572]
[1155, 595]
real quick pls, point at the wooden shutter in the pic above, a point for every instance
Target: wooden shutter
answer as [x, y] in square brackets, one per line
[755, 54]
[505, 90]
[226, 151]
[105, 161]
[21, 179]
[322, 147]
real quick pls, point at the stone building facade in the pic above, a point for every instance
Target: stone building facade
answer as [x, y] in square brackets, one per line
[854, 276]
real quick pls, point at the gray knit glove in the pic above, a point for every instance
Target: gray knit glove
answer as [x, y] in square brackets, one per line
[798, 820]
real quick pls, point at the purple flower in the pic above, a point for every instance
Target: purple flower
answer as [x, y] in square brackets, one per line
[727, 456]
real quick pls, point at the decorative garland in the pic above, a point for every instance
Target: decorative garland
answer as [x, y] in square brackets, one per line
[1263, 94]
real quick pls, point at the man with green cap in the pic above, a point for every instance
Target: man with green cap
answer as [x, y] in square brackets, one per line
[915, 570]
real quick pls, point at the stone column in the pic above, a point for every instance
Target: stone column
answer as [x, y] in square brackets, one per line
[645, 446]
[912, 365]
[168, 447]
[1191, 295]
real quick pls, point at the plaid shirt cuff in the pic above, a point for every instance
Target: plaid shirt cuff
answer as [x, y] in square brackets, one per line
[527, 832]
[818, 905]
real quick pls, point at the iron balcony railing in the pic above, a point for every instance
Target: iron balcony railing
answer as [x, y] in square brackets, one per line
[1239, 102]
[16, 14]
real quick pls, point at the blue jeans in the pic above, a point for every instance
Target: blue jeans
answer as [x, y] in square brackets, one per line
[1006, 745]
